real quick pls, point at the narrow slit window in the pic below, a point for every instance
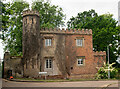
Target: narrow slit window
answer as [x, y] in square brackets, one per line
[32, 21]
[33, 63]
[26, 21]
[26, 64]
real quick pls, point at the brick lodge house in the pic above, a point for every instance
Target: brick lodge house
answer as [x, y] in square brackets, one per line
[60, 53]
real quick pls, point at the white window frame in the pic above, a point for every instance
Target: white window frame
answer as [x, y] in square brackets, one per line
[48, 63]
[80, 61]
[48, 42]
[79, 42]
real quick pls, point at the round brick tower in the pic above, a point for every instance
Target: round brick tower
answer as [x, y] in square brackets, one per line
[30, 42]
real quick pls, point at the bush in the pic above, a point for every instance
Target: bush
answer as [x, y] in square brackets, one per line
[103, 71]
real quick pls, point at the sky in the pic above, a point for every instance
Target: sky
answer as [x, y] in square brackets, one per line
[72, 7]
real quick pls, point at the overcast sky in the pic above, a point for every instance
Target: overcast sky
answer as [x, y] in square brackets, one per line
[72, 7]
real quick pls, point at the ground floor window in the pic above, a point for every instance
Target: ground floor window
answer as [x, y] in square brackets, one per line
[80, 61]
[48, 63]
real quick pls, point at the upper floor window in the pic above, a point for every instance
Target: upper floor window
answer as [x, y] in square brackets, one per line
[49, 63]
[79, 42]
[48, 42]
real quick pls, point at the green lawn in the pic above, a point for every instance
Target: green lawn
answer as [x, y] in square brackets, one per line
[59, 80]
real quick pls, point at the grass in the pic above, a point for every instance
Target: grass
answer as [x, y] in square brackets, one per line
[60, 80]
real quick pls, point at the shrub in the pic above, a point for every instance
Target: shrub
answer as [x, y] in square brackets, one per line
[103, 71]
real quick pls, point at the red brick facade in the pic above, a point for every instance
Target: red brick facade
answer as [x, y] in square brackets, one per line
[85, 51]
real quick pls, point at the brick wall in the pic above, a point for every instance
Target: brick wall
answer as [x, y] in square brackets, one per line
[99, 58]
[74, 51]
[13, 63]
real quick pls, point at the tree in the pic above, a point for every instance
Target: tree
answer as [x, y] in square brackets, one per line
[50, 16]
[0, 68]
[12, 33]
[117, 42]
[82, 20]
[103, 27]
[4, 17]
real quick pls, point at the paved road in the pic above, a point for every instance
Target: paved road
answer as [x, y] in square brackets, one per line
[6, 83]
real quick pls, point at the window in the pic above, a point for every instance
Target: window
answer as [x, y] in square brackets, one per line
[26, 20]
[48, 63]
[26, 64]
[33, 63]
[32, 21]
[37, 61]
[80, 61]
[79, 42]
[48, 42]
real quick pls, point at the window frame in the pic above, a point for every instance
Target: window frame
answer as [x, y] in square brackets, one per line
[48, 42]
[48, 63]
[80, 42]
[81, 60]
